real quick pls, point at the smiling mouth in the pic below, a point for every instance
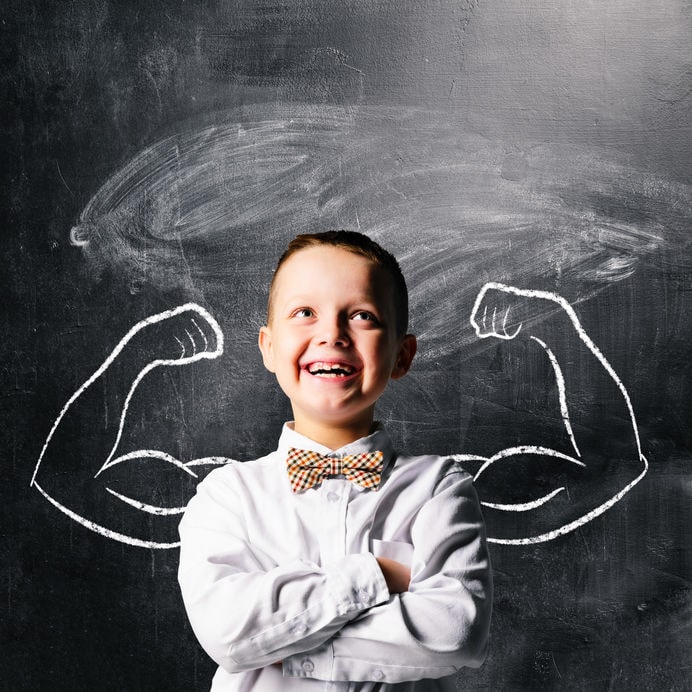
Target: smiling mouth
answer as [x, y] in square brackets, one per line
[330, 369]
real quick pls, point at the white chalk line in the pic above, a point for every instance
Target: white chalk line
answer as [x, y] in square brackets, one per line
[483, 333]
[567, 528]
[525, 449]
[562, 393]
[102, 530]
[487, 461]
[149, 454]
[121, 345]
[156, 454]
[182, 360]
[144, 507]
[546, 295]
[523, 506]
[202, 334]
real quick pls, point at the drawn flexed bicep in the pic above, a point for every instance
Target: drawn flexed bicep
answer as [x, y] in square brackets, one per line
[533, 493]
[125, 495]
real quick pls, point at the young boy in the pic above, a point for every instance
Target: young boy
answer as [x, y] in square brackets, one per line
[336, 562]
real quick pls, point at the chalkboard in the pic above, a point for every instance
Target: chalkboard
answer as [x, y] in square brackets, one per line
[530, 168]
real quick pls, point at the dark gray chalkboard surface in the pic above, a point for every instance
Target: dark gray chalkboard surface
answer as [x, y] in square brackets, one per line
[529, 164]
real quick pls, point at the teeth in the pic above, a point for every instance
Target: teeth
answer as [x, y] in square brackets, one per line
[330, 369]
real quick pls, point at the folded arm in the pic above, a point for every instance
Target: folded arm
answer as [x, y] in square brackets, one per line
[436, 627]
[247, 611]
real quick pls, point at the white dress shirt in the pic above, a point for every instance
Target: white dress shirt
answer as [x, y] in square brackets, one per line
[284, 592]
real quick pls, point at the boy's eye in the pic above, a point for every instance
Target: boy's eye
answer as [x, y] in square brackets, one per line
[366, 316]
[304, 312]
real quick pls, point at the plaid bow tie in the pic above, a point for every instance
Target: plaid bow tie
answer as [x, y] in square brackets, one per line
[306, 468]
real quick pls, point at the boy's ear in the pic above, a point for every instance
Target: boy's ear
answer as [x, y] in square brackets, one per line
[407, 351]
[264, 341]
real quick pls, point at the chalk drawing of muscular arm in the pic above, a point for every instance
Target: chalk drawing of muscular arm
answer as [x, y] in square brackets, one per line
[80, 487]
[560, 489]
[533, 493]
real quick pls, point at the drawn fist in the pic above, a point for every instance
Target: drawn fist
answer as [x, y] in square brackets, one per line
[179, 336]
[502, 311]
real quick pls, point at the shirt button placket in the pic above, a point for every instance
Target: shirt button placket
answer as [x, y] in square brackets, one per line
[333, 529]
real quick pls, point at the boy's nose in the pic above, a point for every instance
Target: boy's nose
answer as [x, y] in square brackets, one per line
[334, 333]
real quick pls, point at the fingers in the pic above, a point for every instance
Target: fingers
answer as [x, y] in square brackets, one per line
[192, 333]
[194, 341]
[495, 323]
[495, 320]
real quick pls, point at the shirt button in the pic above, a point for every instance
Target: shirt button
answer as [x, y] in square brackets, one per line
[298, 627]
[377, 674]
[308, 665]
[333, 497]
[364, 597]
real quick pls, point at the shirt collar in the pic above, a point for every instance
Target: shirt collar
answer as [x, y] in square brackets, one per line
[377, 440]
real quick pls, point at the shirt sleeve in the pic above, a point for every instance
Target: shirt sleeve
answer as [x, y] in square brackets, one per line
[441, 623]
[247, 611]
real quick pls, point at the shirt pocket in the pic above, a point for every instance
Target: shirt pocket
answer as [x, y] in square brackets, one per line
[394, 550]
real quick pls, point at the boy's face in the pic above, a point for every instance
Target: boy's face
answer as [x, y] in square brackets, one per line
[331, 339]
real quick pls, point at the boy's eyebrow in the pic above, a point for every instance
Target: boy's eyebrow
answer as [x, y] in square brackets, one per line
[307, 299]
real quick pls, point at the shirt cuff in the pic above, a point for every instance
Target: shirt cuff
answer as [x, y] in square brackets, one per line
[357, 583]
[317, 664]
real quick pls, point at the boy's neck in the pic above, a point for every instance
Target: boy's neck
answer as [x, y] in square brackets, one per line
[331, 435]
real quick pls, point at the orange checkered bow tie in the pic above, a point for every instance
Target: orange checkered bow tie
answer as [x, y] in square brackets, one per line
[306, 468]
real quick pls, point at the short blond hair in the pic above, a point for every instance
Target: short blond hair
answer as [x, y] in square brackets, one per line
[359, 244]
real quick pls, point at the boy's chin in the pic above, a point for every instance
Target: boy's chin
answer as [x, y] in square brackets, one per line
[336, 417]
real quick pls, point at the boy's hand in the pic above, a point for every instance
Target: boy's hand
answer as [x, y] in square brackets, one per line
[397, 575]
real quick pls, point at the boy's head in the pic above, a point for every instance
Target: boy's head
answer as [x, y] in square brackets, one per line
[336, 331]
[359, 244]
